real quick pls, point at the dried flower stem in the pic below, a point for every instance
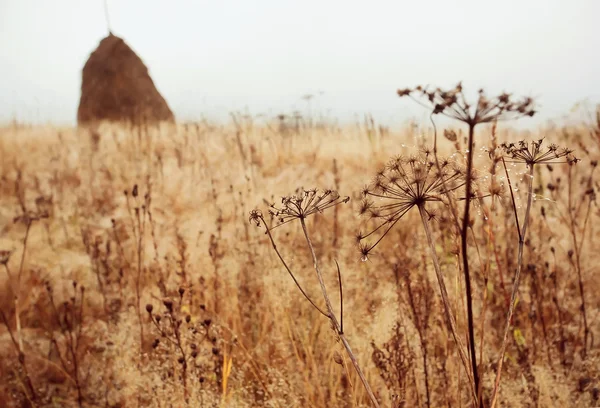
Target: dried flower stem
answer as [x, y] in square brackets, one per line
[465, 256]
[21, 358]
[577, 247]
[334, 320]
[511, 308]
[446, 300]
[289, 271]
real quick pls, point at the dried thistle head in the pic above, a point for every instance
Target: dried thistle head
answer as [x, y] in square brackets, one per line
[406, 182]
[302, 204]
[532, 153]
[452, 103]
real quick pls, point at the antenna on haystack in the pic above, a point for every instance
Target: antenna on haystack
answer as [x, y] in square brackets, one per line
[107, 17]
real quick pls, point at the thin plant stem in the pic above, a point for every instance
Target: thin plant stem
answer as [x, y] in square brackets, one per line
[334, 320]
[586, 330]
[18, 290]
[515, 289]
[341, 297]
[138, 280]
[21, 357]
[465, 258]
[289, 271]
[446, 300]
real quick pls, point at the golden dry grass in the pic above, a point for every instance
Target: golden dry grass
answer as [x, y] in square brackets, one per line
[187, 227]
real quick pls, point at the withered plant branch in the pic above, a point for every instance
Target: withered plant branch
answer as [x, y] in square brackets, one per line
[513, 297]
[341, 297]
[446, 301]
[573, 231]
[21, 357]
[465, 255]
[289, 271]
[333, 318]
[28, 222]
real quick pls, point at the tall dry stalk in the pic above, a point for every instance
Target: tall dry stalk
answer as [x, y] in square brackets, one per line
[531, 154]
[453, 104]
[299, 207]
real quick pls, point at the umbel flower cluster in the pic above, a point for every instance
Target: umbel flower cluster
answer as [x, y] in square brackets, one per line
[533, 153]
[304, 203]
[452, 103]
[404, 183]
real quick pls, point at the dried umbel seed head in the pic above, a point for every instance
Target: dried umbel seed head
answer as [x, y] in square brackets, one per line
[155, 343]
[452, 103]
[532, 153]
[405, 183]
[168, 304]
[304, 203]
[181, 292]
[188, 318]
[149, 308]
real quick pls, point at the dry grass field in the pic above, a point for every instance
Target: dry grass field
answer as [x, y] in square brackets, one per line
[131, 272]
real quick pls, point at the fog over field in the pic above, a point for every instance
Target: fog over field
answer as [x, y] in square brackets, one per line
[210, 58]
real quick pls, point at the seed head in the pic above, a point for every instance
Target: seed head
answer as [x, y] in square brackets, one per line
[533, 153]
[303, 204]
[452, 103]
[405, 183]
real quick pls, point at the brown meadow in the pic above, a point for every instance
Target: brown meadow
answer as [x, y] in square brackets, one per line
[130, 274]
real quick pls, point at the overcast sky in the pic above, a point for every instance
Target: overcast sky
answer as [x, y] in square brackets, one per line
[211, 57]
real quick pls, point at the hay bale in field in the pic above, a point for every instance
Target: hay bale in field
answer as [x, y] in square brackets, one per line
[116, 87]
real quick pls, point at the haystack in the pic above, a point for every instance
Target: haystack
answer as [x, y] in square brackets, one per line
[117, 87]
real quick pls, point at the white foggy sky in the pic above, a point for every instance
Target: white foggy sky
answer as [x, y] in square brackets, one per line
[211, 57]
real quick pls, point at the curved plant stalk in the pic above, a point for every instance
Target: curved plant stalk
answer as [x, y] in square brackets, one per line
[337, 326]
[446, 301]
[289, 271]
[511, 308]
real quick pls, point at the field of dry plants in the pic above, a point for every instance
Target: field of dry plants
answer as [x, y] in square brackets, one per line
[146, 266]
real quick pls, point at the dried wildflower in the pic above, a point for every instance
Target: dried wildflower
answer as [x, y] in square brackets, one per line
[533, 153]
[301, 205]
[149, 308]
[405, 183]
[452, 103]
[298, 207]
